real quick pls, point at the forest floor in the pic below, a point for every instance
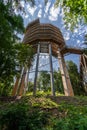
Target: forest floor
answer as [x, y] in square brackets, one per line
[39, 100]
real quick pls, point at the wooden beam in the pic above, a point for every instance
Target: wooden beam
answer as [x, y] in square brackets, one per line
[51, 71]
[22, 84]
[36, 71]
[65, 77]
[14, 92]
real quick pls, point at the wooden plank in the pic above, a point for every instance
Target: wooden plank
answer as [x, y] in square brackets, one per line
[51, 71]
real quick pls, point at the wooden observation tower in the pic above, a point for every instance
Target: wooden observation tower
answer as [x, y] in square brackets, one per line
[46, 38]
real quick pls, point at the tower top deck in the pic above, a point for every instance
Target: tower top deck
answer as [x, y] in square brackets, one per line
[47, 33]
[37, 32]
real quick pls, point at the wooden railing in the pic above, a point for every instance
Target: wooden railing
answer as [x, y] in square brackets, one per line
[43, 32]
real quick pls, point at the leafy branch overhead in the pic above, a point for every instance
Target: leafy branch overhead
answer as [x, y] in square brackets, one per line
[75, 12]
[12, 55]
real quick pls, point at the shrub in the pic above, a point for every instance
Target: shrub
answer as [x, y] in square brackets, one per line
[20, 117]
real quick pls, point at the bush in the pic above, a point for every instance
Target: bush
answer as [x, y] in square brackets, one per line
[37, 113]
[19, 117]
[73, 118]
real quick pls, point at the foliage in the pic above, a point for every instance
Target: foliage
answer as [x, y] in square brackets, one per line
[75, 78]
[58, 82]
[17, 4]
[44, 81]
[73, 119]
[23, 55]
[20, 116]
[85, 51]
[33, 113]
[30, 86]
[74, 12]
[85, 39]
[85, 44]
[12, 55]
[10, 24]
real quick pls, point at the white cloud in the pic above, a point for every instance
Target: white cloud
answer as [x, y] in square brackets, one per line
[31, 10]
[47, 7]
[22, 3]
[39, 13]
[52, 18]
[78, 41]
[76, 30]
[67, 36]
[40, 5]
[86, 29]
[26, 16]
[54, 13]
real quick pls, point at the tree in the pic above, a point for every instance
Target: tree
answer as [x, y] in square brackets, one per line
[85, 39]
[22, 57]
[85, 43]
[16, 4]
[11, 55]
[58, 82]
[75, 12]
[75, 78]
[10, 24]
[30, 86]
[44, 81]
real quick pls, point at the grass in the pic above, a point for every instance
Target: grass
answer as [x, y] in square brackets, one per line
[42, 93]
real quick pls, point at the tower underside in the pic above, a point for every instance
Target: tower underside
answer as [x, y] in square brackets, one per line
[46, 38]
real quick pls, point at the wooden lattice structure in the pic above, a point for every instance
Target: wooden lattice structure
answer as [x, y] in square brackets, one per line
[46, 38]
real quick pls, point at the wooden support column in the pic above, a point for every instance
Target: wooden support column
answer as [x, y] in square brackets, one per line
[83, 70]
[36, 71]
[84, 62]
[70, 90]
[27, 80]
[65, 76]
[14, 92]
[22, 85]
[51, 71]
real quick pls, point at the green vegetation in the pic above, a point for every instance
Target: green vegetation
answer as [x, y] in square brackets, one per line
[44, 113]
[10, 24]
[75, 78]
[12, 55]
[74, 12]
[43, 82]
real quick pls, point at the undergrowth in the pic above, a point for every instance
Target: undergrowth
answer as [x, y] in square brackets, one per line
[40, 113]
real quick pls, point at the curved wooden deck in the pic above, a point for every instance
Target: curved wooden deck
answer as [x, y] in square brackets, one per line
[46, 33]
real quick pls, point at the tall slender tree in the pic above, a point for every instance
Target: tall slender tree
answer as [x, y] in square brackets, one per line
[11, 25]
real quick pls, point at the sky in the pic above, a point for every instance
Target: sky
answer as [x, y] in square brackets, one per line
[52, 15]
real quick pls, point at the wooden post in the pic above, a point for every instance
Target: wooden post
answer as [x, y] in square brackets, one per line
[84, 62]
[51, 70]
[14, 92]
[26, 81]
[83, 70]
[70, 90]
[36, 71]
[65, 76]
[22, 85]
